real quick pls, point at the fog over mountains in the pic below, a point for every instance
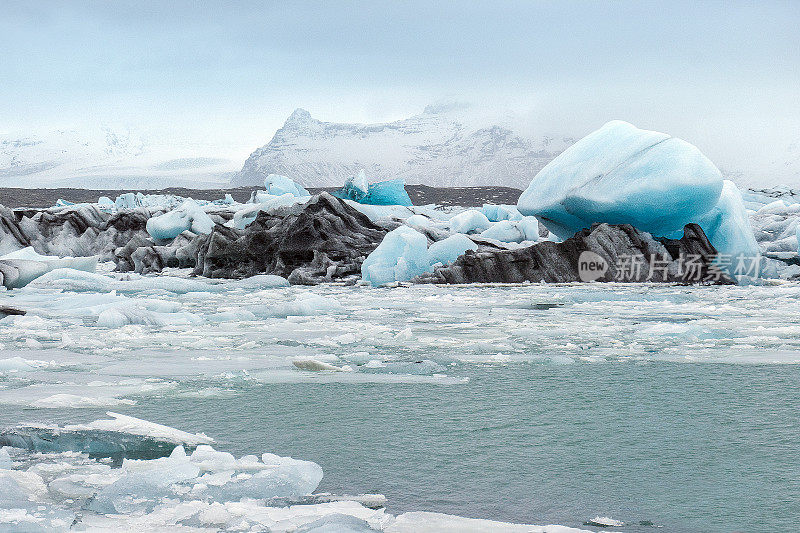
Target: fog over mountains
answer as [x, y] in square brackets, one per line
[445, 145]
[106, 159]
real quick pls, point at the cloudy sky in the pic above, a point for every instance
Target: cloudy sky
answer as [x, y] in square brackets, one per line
[723, 75]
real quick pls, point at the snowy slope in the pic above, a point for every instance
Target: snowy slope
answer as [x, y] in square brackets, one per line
[442, 147]
[105, 159]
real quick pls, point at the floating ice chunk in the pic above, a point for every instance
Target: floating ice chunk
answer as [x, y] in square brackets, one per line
[133, 313]
[136, 426]
[106, 204]
[278, 185]
[139, 491]
[727, 225]
[469, 221]
[122, 434]
[402, 255]
[797, 234]
[18, 364]
[5, 459]
[263, 202]
[188, 216]
[358, 189]
[73, 401]
[336, 523]
[448, 250]
[604, 521]
[530, 228]
[20, 267]
[306, 304]
[419, 220]
[314, 365]
[504, 231]
[128, 200]
[391, 192]
[73, 280]
[426, 522]
[261, 281]
[621, 174]
[497, 213]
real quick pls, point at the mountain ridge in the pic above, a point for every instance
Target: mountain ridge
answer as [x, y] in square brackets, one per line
[441, 147]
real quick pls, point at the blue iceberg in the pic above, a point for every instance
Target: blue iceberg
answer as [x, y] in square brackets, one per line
[358, 189]
[278, 185]
[620, 174]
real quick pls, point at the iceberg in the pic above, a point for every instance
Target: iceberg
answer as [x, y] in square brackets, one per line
[206, 474]
[306, 304]
[119, 435]
[263, 202]
[278, 185]
[623, 175]
[504, 231]
[128, 200]
[188, 216]
[20, 267]
[497, 213]
[448, 250]
[469, 221]
[402, 255]
[358, 189]
[727, 225]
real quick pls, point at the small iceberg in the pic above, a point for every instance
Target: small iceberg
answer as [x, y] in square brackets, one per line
[358, 189]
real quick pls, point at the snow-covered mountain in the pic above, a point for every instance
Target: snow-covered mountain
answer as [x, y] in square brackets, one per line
[444, 146]
[105, 159]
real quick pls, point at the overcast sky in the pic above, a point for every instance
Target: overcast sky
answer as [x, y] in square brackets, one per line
[723, 75]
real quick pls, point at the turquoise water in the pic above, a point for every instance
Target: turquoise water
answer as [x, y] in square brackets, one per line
[688, 447]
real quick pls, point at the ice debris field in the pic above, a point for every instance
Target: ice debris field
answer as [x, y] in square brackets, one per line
[93, 337]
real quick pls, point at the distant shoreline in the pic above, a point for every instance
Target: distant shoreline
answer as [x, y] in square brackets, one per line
[420, 195]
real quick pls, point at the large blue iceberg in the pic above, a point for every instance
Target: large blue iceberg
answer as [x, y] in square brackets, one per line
[358, 189]
[620, 174]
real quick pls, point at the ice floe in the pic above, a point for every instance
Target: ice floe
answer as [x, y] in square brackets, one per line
[127, 474]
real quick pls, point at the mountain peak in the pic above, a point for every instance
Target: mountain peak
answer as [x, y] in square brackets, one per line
[298, 117]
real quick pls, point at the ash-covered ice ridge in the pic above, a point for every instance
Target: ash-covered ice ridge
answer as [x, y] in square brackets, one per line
[181, 483]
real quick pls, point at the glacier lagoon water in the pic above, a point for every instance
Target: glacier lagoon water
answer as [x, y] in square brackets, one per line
[672, 406]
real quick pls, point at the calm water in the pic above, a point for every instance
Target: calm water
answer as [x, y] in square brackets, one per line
[689, 447]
